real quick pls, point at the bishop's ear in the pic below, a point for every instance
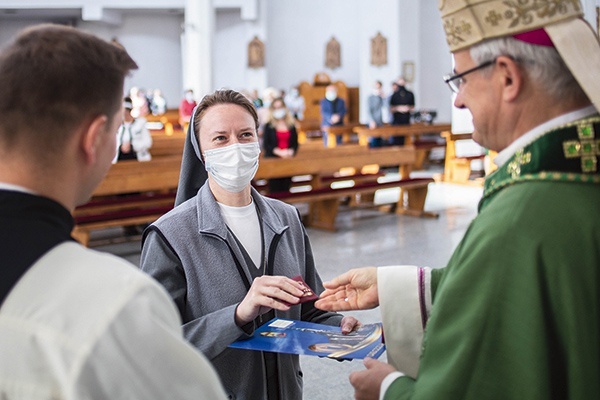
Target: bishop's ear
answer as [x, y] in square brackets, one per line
[512, 77]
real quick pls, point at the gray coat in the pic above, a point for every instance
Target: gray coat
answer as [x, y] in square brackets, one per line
[376, 105]
[192, 253]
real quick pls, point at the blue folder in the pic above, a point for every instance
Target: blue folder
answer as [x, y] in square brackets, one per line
[307, 338]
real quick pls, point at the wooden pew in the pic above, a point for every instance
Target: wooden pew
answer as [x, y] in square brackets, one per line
[316, 149]
[132, 193]
[167, 145]
[387, 131]
[308, 129]
[364, 173]
[169, 120]
[411, 133]
[457, 169]
[324, 200]
[328, 161]
[345, 131]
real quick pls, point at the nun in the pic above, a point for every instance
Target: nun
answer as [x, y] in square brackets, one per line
[226, 254]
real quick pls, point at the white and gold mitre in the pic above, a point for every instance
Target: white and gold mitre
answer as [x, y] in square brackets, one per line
[468, 22]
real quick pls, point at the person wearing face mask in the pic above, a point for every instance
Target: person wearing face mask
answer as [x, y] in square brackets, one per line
[186, 106]
[268, 95]
[333, 110]
[295, 103]
[226, 255]
[280, 139]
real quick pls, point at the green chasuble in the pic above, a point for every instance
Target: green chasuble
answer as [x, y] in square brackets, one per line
[516, 312]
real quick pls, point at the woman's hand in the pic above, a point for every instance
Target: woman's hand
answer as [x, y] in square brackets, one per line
[266, 293]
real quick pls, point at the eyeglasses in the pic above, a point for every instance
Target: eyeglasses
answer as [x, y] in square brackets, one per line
[454, 81]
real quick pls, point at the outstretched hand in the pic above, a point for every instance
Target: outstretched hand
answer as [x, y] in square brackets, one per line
[354, 290]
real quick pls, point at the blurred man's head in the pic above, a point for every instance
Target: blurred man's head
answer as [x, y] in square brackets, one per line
[61, 106]
[54, 79]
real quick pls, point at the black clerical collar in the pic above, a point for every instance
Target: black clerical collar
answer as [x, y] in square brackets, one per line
[30, 226]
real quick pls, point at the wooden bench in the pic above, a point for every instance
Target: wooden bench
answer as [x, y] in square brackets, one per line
[316, 149]
[309, 129]
[309, 152]
[346, 131]
[412, 134]
[169, 120]
[457, 169]
[167, 145]
[324, 199]
[132, 193]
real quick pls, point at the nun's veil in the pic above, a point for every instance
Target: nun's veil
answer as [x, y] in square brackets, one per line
[193, 173]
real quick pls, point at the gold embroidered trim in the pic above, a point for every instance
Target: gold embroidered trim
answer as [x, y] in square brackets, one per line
[544, 176]
[586, 148]
[521, 158]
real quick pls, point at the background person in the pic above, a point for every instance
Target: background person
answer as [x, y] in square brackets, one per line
[402, 102]
[158, 103]
[508, 318]
[280, 139]
[295, 103]
[75, 323]
[133, 138]
[376, 103]
[186, 107]
[333, 111]
[140, 102]
[268, 95]
[226, 255]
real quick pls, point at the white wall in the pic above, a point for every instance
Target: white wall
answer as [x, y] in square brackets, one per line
[9, 28]
[298, 33]
[157, 51]
[435, 61]
[378, 16]
[230, 50]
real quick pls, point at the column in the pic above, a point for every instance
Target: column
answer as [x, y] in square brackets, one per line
[196, 45]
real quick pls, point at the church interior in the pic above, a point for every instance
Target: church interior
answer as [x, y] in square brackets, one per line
[408, 204]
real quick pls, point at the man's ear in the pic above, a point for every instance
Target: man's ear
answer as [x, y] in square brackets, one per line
[92, 136]
[512, 77]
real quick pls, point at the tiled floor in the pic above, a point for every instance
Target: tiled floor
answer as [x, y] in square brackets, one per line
[370, 237]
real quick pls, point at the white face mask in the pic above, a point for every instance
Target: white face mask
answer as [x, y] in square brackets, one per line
[331, 96]
[279, 113]
[189, 97]
[234, 166]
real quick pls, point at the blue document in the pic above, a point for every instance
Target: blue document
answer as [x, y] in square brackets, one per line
[307, 338]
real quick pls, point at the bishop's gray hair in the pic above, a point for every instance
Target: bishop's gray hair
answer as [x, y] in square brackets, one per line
[542, 64]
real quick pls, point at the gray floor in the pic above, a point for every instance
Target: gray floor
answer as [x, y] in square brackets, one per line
[370, 237]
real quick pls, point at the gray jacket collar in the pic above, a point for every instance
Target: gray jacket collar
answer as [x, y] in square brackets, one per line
[210, 220]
